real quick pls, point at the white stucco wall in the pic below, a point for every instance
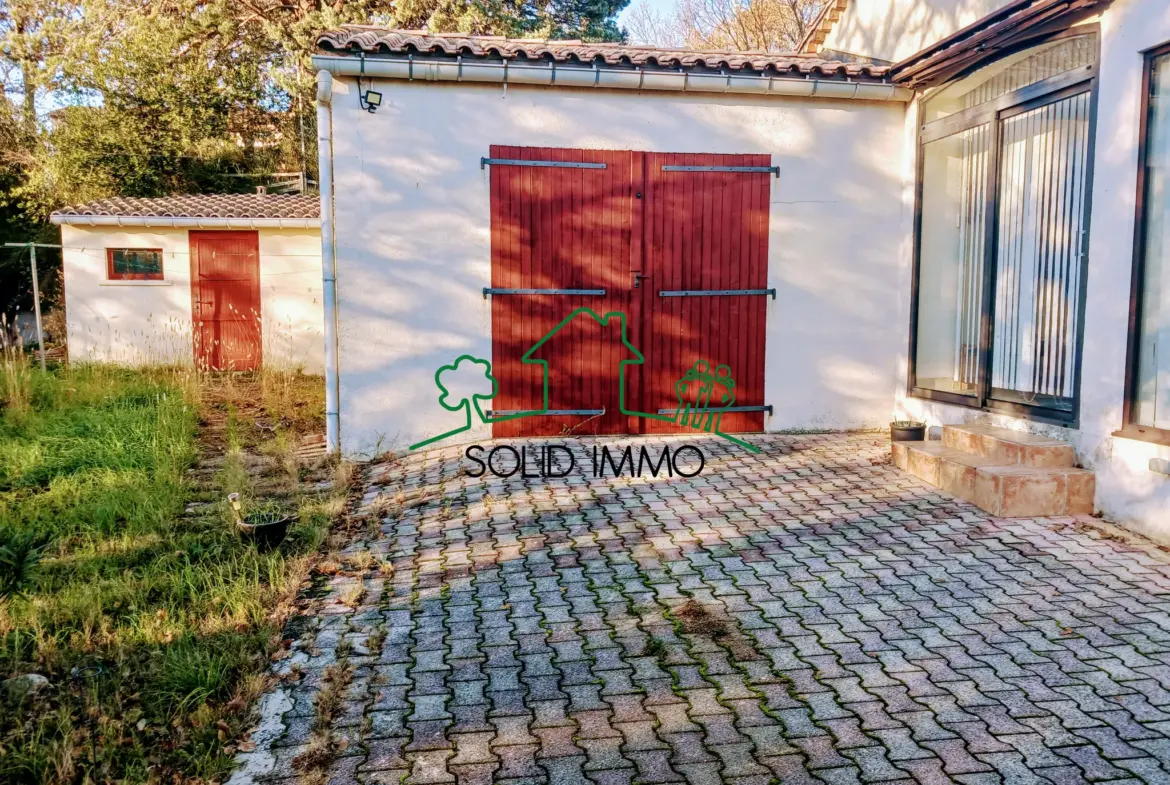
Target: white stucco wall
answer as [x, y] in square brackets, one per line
[126, 321]
[413, 237]
[895, 29]
[290, 298]
[1127, 491]
[139, 322]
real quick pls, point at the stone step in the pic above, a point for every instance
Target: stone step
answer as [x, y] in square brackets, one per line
[1009, 447]
[995, 485]
[950, 470]
[1026, 492]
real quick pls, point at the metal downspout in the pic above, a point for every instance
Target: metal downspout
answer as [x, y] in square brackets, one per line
[328, 259]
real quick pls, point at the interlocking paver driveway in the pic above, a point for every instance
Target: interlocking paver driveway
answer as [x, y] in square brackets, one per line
[809, 614]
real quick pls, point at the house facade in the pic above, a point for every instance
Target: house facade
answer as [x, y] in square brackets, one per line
[1038, 289]
[223, 282]
[941, 210]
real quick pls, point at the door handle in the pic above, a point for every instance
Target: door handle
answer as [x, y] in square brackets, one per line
[638, 278]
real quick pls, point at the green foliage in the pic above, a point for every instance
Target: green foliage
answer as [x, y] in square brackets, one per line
[588, 20]
[151, 98]
[169, 97]
[268, 511]
[20, 551]
[191, 675]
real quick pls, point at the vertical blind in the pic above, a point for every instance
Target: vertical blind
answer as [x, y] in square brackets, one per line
[1039, 245]
[971, 254]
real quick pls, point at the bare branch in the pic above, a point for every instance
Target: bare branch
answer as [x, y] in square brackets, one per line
[737, 25]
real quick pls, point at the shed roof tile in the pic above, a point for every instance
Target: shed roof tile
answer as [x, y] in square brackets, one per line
[203, 206]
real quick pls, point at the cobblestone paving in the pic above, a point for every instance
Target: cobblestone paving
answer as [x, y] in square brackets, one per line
[807, 615]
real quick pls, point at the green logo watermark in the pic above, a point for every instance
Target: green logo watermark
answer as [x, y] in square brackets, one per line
[703, 395]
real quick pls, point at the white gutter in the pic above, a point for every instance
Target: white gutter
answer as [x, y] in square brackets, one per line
[328, 260]
[550, 75]
[172, 222]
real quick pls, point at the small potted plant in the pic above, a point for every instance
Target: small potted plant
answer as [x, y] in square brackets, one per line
[264, 526]
[907, 431]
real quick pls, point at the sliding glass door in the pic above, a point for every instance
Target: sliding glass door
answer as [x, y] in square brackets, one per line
[1147, 406]
[950, 301]
[1002, 226]
[1043, 154]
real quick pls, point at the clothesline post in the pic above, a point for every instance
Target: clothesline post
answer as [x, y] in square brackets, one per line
[32, 253]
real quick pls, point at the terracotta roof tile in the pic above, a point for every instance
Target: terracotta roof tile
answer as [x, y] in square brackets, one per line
[203, 206]
[379, 40]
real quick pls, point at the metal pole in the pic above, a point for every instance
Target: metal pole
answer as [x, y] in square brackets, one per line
[32, 251]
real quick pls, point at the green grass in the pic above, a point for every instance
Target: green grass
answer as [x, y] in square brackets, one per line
[179, 616]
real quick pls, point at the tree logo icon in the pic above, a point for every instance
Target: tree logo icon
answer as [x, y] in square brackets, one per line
[466, 365]
[454, 380]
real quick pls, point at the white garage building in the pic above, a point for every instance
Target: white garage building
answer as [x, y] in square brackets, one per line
[953, 211]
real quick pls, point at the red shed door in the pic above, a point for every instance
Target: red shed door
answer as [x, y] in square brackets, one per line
[225, 293]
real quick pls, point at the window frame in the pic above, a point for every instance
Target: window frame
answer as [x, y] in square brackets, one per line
[111, 275]
[1130, 429]
[1081, 80]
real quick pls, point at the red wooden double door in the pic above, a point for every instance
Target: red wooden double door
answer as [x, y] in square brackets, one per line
[670, 241]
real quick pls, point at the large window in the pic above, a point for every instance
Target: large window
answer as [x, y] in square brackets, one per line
[1002, 230]
[1149, 399]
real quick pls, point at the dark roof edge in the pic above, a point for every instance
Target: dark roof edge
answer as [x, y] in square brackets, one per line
[1015, 21]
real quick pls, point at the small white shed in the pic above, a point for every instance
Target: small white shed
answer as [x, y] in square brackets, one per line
[227, 282]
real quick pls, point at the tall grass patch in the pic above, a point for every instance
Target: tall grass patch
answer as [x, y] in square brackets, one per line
[151, 625]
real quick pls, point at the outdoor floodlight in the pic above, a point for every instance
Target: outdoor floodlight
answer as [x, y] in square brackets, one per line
[371, 100]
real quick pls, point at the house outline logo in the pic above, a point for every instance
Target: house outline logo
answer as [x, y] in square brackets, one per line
[683, 415]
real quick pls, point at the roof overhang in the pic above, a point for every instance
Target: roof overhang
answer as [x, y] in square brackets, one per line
[552, 74]
[184, 222]
[989, 37]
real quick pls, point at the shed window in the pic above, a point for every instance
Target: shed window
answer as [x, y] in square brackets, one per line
[1002, 232]
[134, 264]
[1149, 400]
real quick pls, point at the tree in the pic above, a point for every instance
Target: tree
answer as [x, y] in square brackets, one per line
[153, 97]
[31, 34]
[588, 20]
[734, 25]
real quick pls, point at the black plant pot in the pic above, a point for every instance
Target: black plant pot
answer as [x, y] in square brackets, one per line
[266, 535]
[907, 432]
